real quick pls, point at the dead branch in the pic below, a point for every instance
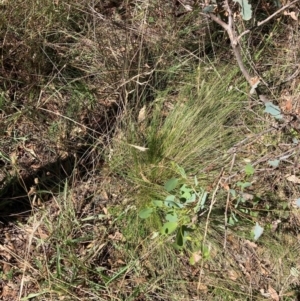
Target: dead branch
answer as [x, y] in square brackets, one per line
[267, 19]
[233, 40]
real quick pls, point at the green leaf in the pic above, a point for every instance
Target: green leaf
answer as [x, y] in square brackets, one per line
[168, 228]
[285, 205]
[201, 202]
[205, 252]
[170, 198]
[243, 185]
[181, 171]
[257, 231]
[172, 217]
[277, 3]
[157, 203]
[273, 110]
[191, 199]
[179, 238]
[233, 192]
[151, 20]
[145, 213]
[231, 221]
[182, 236]
[274, 163]
[208, 9]
[246, 9]
[253, 213]
[185, 189]
[187, 194]
[171, 184]
[234, 217]
[249, 170]
[171, 202]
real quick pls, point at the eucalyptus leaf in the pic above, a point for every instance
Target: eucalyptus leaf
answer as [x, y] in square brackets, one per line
[257, 231]
[183, 235]
[184, 188]
[172, 217]
[157, 203]
[205, 252]
[173, 204]
[145, 213]
[233, 192]
[169, 228]
[246, 9]
[249, 170]
[277, 3]
[201, 202]
[273, 110]
[274, 163]
[170, 198]
[243, 185]
[231, 221]
[191, 199]
[182, 171]
[208, 9]
[179, 238]
[187, 193]
[171, 184]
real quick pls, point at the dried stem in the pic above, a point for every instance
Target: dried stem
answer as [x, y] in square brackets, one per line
[235, 39]
[267, 19]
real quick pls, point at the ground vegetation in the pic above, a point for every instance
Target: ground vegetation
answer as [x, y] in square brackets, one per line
[149, 150]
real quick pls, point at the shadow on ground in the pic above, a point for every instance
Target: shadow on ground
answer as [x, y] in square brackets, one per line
[18, 195]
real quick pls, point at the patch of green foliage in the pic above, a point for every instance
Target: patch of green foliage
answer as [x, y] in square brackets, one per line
[191, 129]
[179, 209]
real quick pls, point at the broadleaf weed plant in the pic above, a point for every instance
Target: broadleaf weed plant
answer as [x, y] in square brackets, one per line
[239, 197]
[179, 210]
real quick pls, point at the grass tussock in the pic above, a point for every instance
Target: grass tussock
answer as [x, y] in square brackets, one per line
[193, 128]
